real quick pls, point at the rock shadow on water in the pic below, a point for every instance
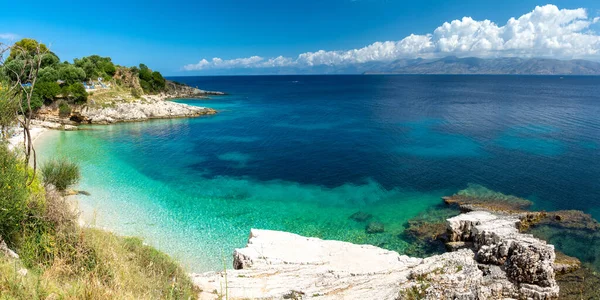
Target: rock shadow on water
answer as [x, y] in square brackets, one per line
[238, 159]
[423, 139]
[302, 124]
[236, 139]
[427, 232]
[532, 139]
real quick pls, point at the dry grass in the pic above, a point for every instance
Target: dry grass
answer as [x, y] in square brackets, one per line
[108, 97]
[65, 261]
[126, 269]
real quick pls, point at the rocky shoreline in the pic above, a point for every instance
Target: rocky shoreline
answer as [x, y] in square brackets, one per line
[146, 108]
[490, 255]
[503, 263]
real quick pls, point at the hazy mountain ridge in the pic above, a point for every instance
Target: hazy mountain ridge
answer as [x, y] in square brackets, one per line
[446, 65]
[474, 65]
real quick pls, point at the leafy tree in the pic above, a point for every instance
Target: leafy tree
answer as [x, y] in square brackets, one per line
[28, 46]
[145, 73]
[36, 102]
[151, 82]
[91, 71]
[49, 59]
[47, 90]
[96, 66]
[71, 74]
[109, 69]
[158, 81]
[48, 74]
[12, 69]
[76, 93]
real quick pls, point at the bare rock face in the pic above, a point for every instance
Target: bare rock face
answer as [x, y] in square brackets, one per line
[502, 264]
[280, 265]
[527, 261]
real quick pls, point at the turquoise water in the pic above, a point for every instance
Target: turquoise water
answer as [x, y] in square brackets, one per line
[303, 153]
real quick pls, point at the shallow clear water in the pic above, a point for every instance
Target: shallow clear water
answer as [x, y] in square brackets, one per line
[302, 153]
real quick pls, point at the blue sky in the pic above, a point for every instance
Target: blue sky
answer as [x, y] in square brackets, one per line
[170, 35]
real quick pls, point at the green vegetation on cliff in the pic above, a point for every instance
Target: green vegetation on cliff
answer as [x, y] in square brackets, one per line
[64, 80]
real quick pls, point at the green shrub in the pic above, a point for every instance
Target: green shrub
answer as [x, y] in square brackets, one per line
[64, 110]
[13, 194]
[47, 90]
[60, 173]
[135, 93]
[48, 74]
[36, 101]
[71, 74]
[77, 93]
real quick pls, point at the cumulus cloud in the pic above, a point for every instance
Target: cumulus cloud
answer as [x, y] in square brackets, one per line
[547, 31]
[8, 36]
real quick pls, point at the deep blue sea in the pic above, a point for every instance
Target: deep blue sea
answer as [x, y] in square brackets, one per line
[302, 153]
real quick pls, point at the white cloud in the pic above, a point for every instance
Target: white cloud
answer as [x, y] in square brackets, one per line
[8, 36]
[547, 31]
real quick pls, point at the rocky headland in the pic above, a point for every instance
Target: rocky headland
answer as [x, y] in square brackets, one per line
[490, 254]
[116, 108]
[179, 90]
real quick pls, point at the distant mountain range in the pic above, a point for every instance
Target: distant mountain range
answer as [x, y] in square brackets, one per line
[473, 65]
[446, 65]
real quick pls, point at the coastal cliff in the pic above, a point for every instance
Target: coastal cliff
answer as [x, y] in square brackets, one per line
[501, 262]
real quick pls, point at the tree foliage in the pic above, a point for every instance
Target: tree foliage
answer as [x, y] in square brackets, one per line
[71, 74]
[26, 47]
[95, 67]
[57, 78]
[151, 82]
[47, 90]
[76, 93]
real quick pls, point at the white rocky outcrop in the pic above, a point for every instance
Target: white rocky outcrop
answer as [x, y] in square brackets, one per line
[501, 264]
[527, 261]
[140, 111]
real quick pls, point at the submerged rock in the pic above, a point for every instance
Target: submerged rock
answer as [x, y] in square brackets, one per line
[580, 284]
[361, 216]
[571, 219]
[427, 232]
[565, 264]
[477, 197]
[374, 227]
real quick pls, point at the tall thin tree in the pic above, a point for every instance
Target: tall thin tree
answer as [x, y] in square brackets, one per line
[20, 88]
